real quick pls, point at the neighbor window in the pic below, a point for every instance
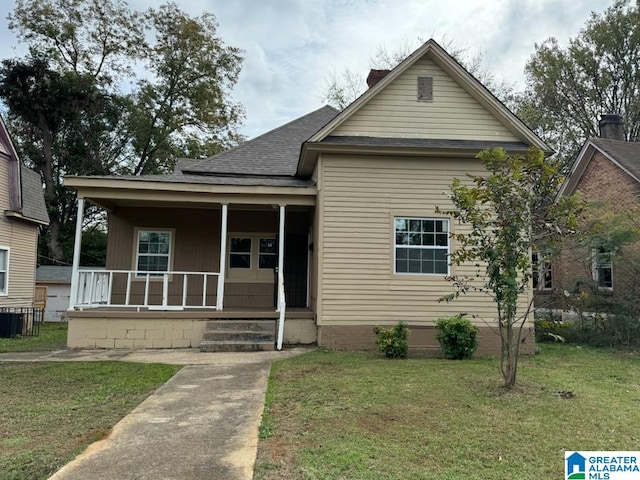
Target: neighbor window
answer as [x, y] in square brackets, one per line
[542, 273]
[240, 252]
[4, 270]
[154, 251]
[268, 254]
[421, 245]
[602, 269]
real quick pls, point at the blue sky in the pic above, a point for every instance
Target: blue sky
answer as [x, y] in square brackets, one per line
[291, 47]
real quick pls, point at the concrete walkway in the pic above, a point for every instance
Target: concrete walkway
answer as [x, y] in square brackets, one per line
[202, 424]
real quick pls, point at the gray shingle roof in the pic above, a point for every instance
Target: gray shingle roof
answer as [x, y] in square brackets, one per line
[274, 153]
[422, 143]
[249, 180]
[626, 154]
[58, 273]
[33, 205]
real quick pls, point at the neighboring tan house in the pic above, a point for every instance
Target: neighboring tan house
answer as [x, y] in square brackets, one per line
[342, 203]
[606, 173]
[22, 212]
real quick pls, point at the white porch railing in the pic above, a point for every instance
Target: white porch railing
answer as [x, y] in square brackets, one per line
[95, 288]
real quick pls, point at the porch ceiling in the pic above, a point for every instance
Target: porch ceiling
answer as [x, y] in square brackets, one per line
[114, 193]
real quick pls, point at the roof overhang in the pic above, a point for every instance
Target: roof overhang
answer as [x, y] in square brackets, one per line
[311, 151]
[19, 216]
[110, 193]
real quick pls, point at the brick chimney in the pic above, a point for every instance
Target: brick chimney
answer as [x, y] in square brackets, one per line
[375, 76]
[612, 127]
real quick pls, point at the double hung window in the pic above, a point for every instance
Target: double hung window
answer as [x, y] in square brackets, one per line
[421, 246]
[153, 251]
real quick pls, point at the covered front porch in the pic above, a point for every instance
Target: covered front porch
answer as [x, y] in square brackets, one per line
[177, 261]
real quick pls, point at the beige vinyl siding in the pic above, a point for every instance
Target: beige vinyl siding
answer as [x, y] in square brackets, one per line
[360, 198]
[452, 114]
[21, 238]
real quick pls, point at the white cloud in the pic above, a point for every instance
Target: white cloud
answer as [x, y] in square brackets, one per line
[292, 46]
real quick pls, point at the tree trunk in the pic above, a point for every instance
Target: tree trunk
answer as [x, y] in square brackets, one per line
[46, 169]
[510, 353]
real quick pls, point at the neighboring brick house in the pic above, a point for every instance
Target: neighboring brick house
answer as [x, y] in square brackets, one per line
[606, 172]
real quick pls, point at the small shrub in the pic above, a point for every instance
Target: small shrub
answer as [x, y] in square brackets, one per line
[393, 342]
[457, 337]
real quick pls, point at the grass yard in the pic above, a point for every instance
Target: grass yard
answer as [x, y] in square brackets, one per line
[52, 411]
[53, 336]
[359, 416]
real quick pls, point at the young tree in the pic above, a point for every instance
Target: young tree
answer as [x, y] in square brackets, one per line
[597, 73]
[509, 212]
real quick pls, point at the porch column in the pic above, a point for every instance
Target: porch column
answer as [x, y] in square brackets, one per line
[281, 299]
[73, 297]
[223, 257]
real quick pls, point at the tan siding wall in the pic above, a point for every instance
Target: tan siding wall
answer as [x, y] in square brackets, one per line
[21, 238]
[196, 248]
[453, 113]
[361, 196]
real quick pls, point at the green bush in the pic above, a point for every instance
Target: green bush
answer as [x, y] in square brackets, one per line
[393, 342]
[457, 337]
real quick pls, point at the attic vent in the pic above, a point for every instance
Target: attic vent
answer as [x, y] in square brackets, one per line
[425, 89]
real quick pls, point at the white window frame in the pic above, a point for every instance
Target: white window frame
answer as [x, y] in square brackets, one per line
[596, 265]
[539, 270]
[4, 289]
[422, 247]
[255, 274]
[155, 275]
[250, 252]
[274, 255]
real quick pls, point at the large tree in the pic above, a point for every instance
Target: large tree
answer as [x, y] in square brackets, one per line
[510, 212]
[60, 121]
[597, 73]
[109, 90]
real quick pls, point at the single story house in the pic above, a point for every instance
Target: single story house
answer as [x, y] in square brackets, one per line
[314, 232]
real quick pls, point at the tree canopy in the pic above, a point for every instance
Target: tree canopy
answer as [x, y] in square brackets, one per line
[109, 90]
[598, 72]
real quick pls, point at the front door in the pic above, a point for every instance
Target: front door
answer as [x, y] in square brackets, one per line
[296, 256]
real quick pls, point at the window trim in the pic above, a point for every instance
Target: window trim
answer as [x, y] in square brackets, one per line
[275, 254]
[595, 265]
[541, 270]
[251, 243]
[395, 246]
[136, 252]
[5, 292]
[253, 274]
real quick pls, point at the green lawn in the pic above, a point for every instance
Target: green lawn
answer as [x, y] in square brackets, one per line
[358, 416]
[52, 411]
[53, 336]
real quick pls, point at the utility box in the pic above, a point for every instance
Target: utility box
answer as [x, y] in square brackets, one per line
[11, 324]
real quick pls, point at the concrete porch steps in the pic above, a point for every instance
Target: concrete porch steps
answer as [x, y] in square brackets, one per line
[228, 335]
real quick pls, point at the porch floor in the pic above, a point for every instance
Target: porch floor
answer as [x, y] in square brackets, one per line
[231, 313]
